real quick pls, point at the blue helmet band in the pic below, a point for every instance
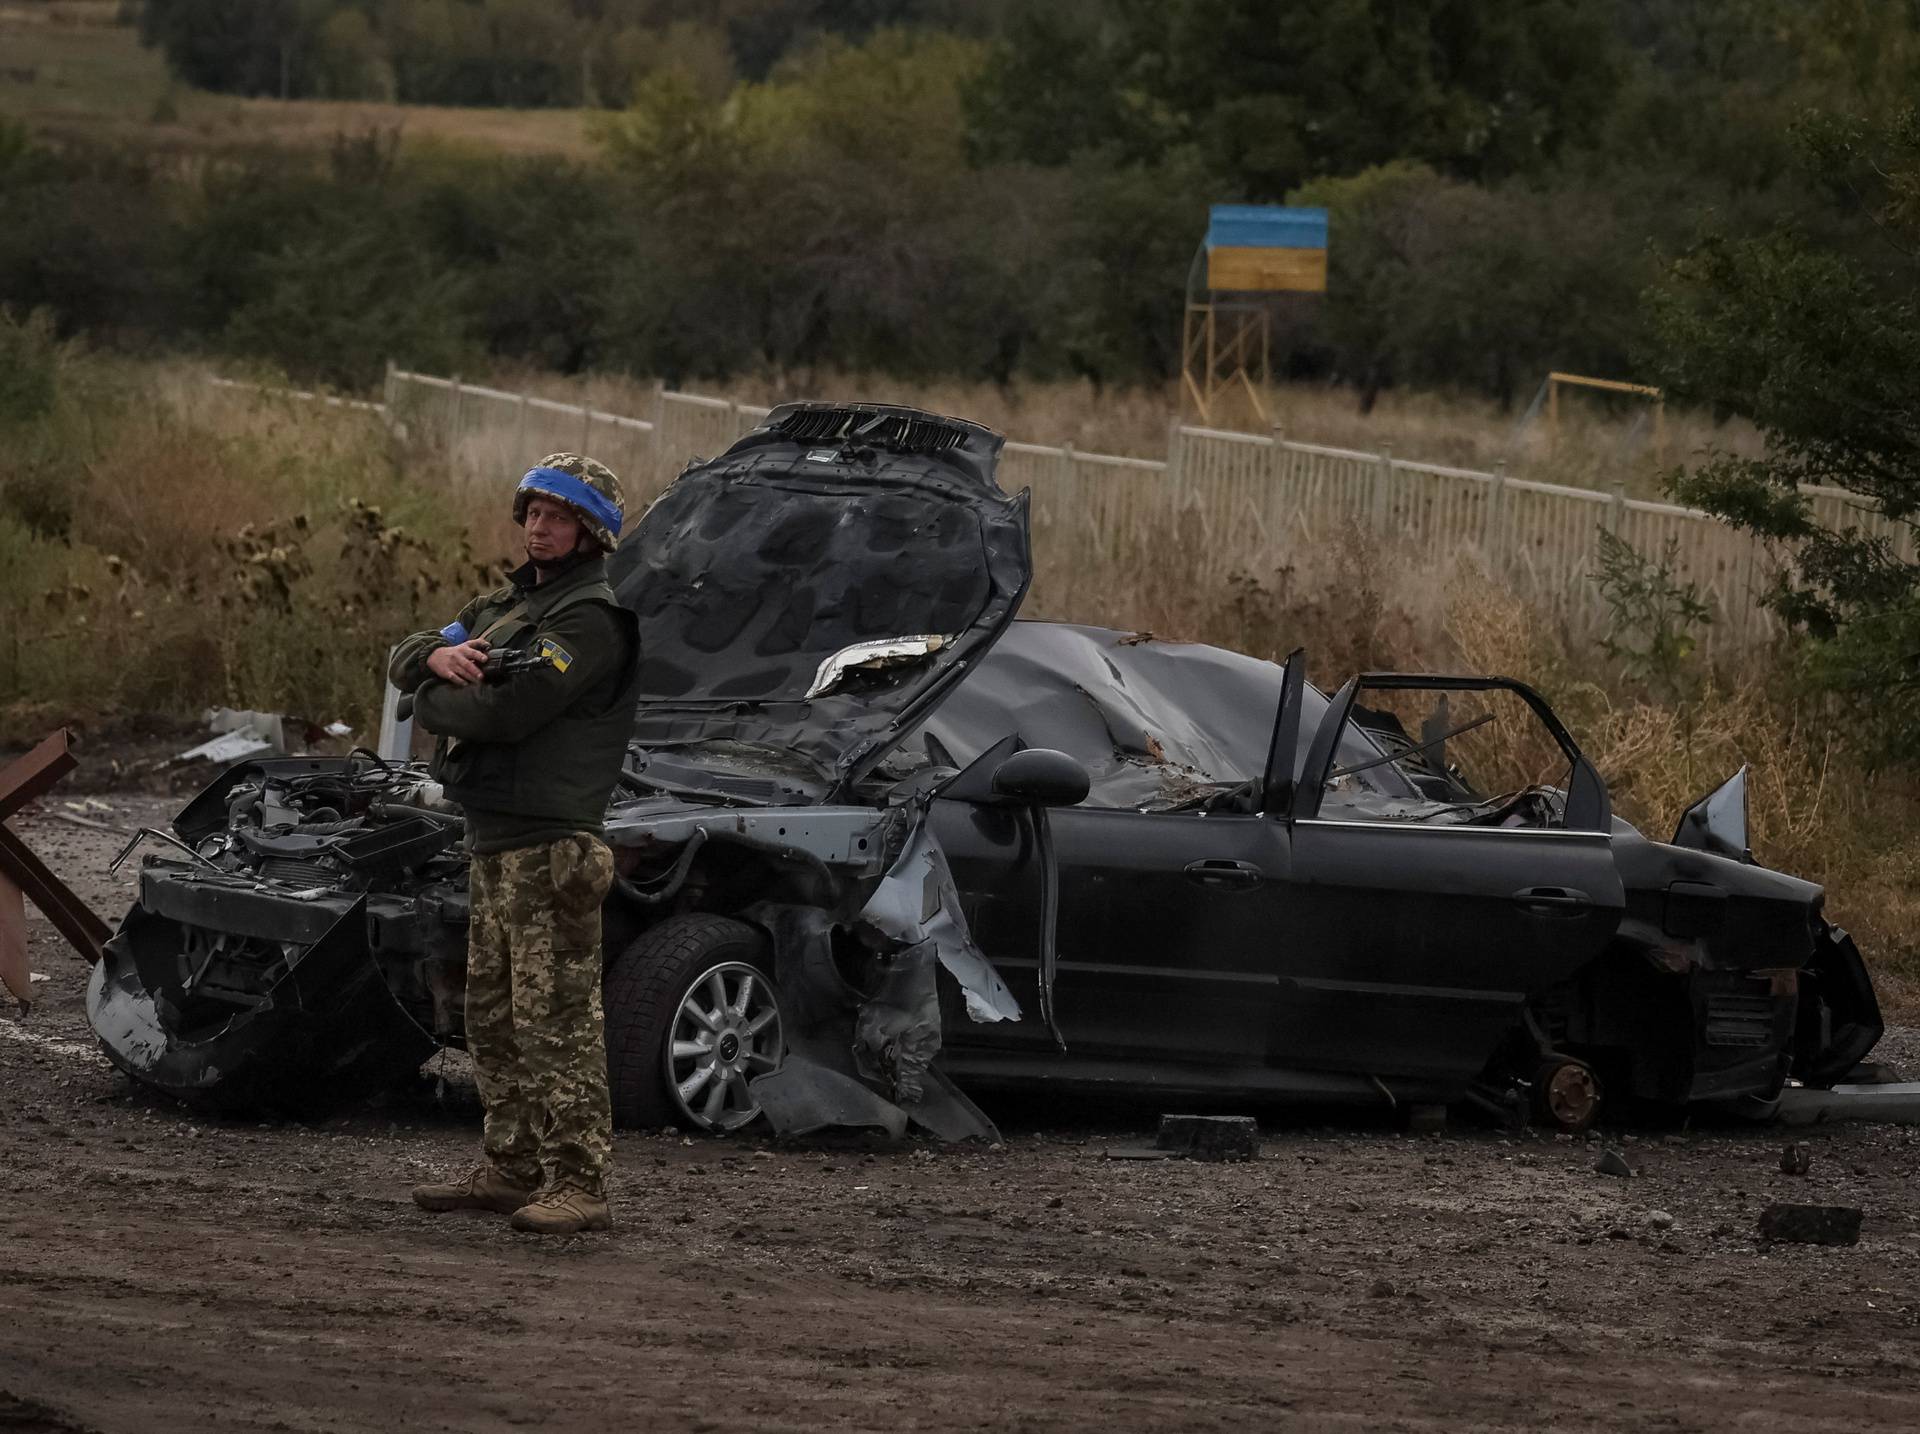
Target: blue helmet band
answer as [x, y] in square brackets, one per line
[572, 489]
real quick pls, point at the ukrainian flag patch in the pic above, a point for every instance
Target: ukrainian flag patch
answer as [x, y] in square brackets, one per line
[556, 654]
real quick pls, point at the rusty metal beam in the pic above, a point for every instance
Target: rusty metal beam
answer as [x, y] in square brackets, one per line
[70, 916]
[34, 774]
[21, 872]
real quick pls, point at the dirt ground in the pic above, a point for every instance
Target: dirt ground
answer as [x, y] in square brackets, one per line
[160, 1270]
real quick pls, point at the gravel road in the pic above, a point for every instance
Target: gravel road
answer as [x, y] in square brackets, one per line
[161, 1270]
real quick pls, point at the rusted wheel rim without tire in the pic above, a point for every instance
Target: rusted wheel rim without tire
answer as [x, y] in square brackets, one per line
[1572, 1095]
[726, 1032]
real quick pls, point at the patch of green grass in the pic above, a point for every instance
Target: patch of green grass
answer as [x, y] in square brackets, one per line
[57, 71]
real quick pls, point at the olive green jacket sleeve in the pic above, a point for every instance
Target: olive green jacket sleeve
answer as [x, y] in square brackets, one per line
[516, 707]
[408, 668]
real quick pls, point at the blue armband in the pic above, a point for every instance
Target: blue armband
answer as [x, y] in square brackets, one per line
[454, 632]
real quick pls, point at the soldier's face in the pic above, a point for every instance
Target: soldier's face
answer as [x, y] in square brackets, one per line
[552, 530]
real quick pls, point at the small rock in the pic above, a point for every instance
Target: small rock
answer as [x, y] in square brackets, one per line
[1381, 1290]
[1811, 1224]
[1660, 1219]
[1055, 1203]
[1796, 1158]
[1612, 1162]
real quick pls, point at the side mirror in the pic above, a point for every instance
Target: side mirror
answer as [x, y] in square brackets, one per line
[1041, 777]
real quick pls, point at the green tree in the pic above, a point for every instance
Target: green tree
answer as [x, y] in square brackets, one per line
[1818, 346]
[1274, 95]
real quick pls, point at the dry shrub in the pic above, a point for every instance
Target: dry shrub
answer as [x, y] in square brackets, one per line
[1353, 603]
[1600, 441]
[1814, 810]
[199, 546]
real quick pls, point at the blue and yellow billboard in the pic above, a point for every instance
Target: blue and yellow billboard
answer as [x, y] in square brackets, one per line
[1266, 248]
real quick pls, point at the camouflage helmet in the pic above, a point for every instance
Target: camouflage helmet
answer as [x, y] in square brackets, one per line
[586, 486]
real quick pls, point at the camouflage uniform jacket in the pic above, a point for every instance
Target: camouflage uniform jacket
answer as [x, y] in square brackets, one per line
[534, 756]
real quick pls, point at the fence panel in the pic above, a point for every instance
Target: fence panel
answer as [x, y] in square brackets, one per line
[1249, 501]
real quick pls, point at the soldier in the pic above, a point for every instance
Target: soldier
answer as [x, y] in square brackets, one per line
[532, 754]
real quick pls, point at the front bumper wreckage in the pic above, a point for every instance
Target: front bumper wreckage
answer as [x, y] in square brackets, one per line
[227, 992]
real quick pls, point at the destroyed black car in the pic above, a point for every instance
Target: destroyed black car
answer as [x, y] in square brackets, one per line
[878, 841]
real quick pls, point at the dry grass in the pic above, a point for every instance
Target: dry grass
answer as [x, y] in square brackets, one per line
[167, 546]
[70, 71]
[1600, 441]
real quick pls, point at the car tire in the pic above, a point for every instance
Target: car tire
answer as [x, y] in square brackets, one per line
[1567, 1095]
[662, 994]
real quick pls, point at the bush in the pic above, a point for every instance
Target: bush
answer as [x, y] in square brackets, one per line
[29, 367]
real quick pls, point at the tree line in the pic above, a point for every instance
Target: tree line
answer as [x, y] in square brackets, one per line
[931, 186]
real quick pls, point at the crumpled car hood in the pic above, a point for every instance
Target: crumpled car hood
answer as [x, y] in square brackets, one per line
[818, 588]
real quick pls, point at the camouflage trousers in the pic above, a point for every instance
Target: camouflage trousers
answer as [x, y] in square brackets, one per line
[533, 1010]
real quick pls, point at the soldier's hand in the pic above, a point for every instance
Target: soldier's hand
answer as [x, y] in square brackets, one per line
[460, 664]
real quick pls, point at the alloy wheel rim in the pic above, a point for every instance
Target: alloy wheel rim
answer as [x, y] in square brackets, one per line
[726, 1031]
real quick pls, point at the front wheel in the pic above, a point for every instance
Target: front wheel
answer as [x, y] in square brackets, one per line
[692, 1017]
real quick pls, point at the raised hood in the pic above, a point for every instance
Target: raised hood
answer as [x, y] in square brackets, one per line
[818, 588]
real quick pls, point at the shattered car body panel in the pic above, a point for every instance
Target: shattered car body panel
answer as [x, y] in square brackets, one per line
[1258, 889]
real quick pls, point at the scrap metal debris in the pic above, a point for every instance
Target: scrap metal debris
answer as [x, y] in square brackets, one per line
[239, 735]
[1811, 1224]
[1210, 1137]
[1612, 1162]
[1197, 1137]
[1892, 1102]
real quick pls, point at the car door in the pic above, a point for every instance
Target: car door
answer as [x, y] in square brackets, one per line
[1174, 926]
[1166, 934]
[1418, 943]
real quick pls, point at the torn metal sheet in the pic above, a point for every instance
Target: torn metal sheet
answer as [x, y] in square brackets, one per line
[917, 904]
[884, 652]
[1718, 821]
[896, 1034]
[803, 1097]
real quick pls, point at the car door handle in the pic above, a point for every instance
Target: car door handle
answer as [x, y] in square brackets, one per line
[1224, 874]
[1552, 900]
